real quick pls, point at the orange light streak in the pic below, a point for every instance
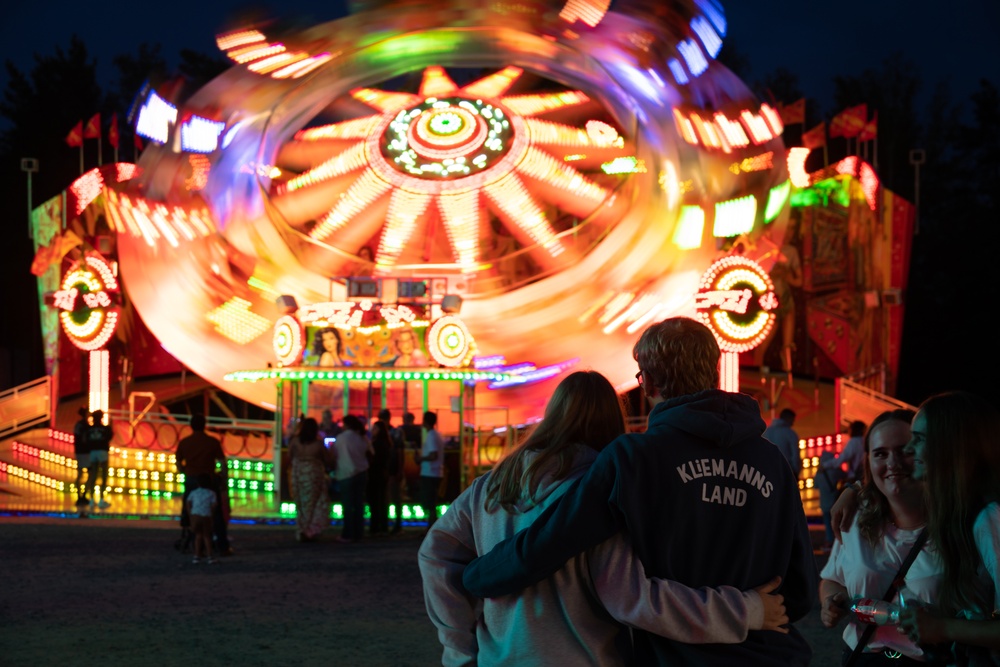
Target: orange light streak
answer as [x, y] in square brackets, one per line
[541, 166]
[404, 210]
[384, 100]
[556, 134]
[460, 212]
[513, 199]
[532, 105]
[436, 83]
[493, 85]
[255, 52]
[363, 193]
[589, 12]
[350, 160]
[231, 40]
[349, 129]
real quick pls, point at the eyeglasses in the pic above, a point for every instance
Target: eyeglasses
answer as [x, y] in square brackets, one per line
[638, 378]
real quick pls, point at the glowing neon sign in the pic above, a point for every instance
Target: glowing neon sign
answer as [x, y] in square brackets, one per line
[87, 311]
[736, 301]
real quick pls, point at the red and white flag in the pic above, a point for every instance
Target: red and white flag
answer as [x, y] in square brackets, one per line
[870, 131]
[815, 137]
[75, 136]
[849, 122]
[92, 130]
[794, 112]
[113, 131]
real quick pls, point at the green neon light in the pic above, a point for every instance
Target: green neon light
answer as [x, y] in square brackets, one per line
[367, 375]
[690, 228]
[734, 217]
[776, 199]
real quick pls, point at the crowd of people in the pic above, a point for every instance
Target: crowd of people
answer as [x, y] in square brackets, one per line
[363, 467]
[688, 544]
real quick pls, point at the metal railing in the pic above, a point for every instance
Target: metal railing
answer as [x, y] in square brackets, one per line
[157, 431]
[26, 406]
[861, 397]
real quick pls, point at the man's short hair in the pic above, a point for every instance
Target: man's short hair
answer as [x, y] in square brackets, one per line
[409, 418]
[430, 419]
[858, 429]
[197, 422]
[384, 415]
[788, 415]
[679, 356]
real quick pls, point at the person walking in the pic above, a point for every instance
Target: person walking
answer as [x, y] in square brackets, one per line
[352, 452]
[200, 505]
[784, 437]
[431, 459]
[81, 449]
[703, 498]
[397, 463]
[198, 454]
[99, 436]
[310, 486]
[378, 475]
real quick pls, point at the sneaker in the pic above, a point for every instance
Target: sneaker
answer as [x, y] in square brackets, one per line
[104, 504]
[212, 561]
[195, 560]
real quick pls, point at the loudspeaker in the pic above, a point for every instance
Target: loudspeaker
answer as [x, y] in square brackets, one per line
[451, 303]
[287, 303]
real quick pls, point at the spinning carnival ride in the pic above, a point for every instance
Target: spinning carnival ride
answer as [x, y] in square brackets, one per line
[568, 172]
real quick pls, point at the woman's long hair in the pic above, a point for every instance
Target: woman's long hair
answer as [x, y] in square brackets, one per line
[584, 410]
[963, 475]
[873, 507]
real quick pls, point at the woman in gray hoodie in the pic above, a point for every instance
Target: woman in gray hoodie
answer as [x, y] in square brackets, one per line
[582, 614]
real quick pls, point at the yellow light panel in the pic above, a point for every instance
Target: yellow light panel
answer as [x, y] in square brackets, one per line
[556, 134]
[235, 321]
[363, 193]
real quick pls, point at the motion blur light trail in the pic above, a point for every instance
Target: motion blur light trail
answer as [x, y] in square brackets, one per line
[571, 171]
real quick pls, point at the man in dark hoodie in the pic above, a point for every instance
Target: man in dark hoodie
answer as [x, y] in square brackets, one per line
[703, 498]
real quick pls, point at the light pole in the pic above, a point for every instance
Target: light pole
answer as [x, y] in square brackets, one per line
[917, 157]
[29, 165]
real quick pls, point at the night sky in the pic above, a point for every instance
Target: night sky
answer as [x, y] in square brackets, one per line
[954, 40]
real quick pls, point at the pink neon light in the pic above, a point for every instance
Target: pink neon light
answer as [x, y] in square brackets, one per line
[86, 189]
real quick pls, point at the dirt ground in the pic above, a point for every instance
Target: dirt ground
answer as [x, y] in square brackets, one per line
[116, 592]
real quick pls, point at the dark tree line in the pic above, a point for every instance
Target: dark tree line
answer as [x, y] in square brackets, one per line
[947, 335]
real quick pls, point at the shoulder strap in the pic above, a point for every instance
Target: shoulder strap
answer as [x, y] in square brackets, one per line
[890, 593]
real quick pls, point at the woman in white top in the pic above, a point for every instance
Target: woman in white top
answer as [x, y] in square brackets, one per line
[891, 515]
[956, 446]
[577, 616]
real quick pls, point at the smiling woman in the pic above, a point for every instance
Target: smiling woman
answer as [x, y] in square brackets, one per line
[890, 519]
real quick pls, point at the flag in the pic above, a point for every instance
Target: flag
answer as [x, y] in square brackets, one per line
[75, 136]
[93, 128]
[113, 131]
[794, 112]
[57, 248]
[849, 121]
[870, 130]
[815, 137]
